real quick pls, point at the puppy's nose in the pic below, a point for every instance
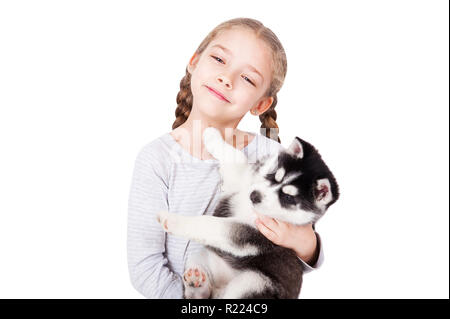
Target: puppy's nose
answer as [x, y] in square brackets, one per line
[255, 197]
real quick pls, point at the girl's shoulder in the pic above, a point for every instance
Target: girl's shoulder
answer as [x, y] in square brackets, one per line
[157, 150]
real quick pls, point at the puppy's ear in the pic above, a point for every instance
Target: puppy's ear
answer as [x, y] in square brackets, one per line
[296, 148]
[322, 192]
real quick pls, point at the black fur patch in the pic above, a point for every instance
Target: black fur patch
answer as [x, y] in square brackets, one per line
[242, 235]
[223, 208]
[312, 168]
[279, 264]
[257, 165]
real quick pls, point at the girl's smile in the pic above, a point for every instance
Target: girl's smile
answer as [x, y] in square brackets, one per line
[217, 93]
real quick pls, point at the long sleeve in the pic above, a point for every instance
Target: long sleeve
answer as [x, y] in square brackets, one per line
[147, 264]
[308, 268]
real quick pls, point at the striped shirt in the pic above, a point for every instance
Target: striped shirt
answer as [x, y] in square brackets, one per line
[167, 177]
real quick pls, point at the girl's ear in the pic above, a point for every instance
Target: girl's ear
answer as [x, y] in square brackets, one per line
[193, 62]
[263, 105]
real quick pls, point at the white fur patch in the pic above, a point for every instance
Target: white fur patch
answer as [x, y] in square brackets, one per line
[291, 177]
[279, 175]
[299, 217]
[290, 190]
[246, 282]
[269, 166]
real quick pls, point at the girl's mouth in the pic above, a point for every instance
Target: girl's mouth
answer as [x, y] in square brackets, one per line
[217, 94]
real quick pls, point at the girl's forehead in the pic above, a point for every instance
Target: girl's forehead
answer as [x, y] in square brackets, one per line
[239, 38]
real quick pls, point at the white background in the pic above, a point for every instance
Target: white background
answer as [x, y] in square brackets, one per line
[85, 84]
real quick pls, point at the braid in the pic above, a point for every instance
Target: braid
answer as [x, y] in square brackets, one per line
[269, 127]
[184, 101]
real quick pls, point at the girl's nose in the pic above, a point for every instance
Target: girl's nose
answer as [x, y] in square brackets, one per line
[224, 80]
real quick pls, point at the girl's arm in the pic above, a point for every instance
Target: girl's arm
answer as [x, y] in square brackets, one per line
[302, 239]
[147, 265]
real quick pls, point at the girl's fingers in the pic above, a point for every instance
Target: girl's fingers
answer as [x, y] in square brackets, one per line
[283, 226]
[269, 222]
[267, 232]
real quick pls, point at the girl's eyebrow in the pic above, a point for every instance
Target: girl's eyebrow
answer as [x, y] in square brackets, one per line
[251, 67]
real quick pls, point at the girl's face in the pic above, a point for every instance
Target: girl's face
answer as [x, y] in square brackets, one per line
[238, 66]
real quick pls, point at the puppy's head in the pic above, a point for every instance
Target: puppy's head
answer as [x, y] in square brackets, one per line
[295, 185]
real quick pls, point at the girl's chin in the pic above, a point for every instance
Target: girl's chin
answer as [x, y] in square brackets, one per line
[212, 104]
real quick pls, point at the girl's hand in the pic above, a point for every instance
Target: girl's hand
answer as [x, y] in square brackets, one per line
[301, 239]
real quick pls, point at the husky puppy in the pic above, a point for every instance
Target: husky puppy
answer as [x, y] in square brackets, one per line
[294, 185]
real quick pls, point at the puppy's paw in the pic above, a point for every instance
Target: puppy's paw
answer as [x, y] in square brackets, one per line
[211, 134]
[166, 220]
[195, 277]
[212, 138]
[196, 283]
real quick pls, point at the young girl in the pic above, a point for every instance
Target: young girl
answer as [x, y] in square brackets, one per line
[239, 67]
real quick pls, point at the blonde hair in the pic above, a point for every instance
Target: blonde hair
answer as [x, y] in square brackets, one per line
[279, 68]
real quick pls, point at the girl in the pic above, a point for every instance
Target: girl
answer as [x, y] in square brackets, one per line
[239, 67]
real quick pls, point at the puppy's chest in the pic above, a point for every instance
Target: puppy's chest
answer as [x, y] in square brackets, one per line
[240, 182]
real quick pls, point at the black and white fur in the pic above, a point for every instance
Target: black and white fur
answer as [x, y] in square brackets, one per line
[294, 186]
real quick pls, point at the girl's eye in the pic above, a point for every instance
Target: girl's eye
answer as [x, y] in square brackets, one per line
[248, 80]
[216, 58]
[221, 61]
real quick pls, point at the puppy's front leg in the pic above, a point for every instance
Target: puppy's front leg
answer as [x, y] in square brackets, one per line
[232, 161]
[217, 232]
[220, 149]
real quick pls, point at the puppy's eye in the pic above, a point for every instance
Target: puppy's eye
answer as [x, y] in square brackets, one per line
[289, 199]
